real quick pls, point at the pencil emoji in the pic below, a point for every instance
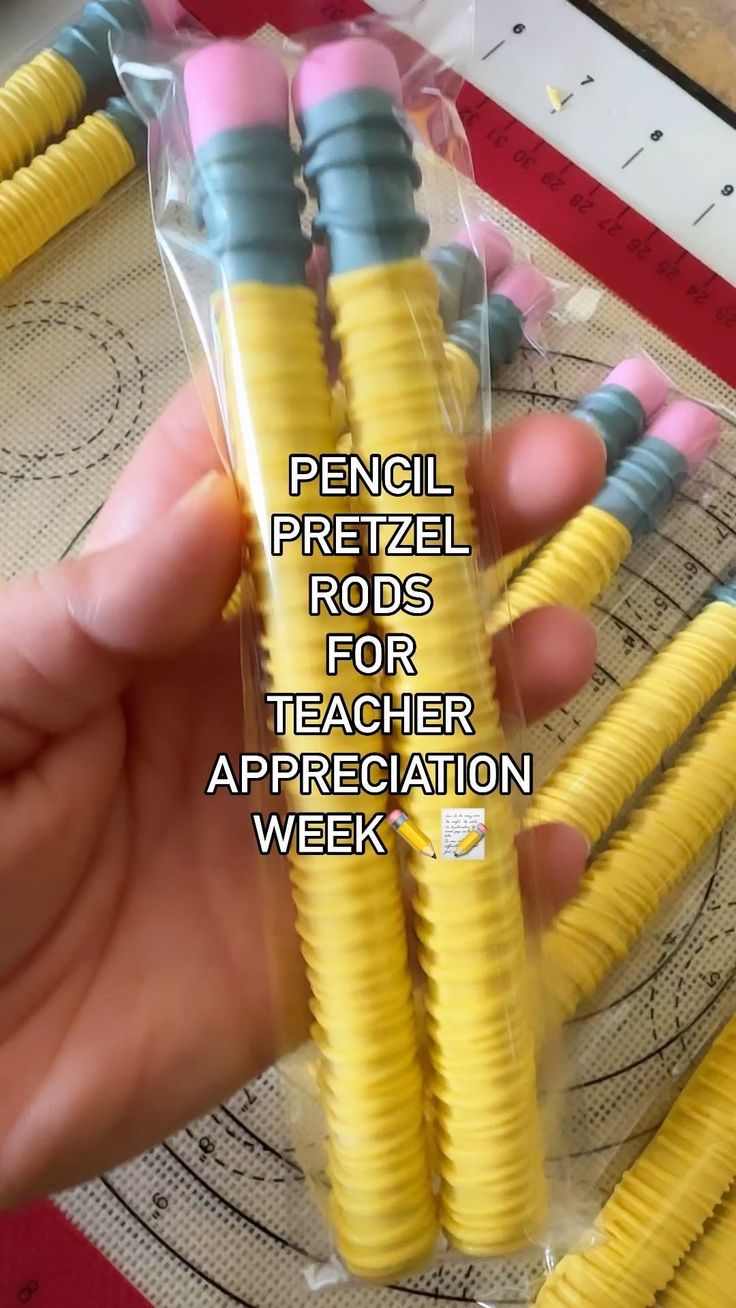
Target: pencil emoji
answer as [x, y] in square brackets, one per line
[470, 841]
[349, 908]
[580, 561]
[624, 886]
[601, 773]
[41, 200]
[43, 97]
[663, 1202]
[357, 157]
[706, 1278]
[410, 832]
[618, 410]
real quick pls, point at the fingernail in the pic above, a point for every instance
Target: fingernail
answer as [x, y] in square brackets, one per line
[199, 491]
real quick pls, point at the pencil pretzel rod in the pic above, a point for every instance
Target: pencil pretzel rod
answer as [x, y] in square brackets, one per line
[349, 908]
[521, 294]
[604, 769]
[60, 185]
[581, 560]
[662, 1203]
[619, 411]
[707, 1277]
[358, 159]
[43, 97]
[625, 885]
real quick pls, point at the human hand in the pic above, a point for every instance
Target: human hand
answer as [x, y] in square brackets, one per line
[135, 986]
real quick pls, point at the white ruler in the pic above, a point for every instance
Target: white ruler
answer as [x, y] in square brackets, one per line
[625, 122]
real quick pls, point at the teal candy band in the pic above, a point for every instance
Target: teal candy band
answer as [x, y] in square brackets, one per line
[726, 591]
[501, 322]
[357, 157]
[251, 206]
[462, 281]
[86, 44]
[131, 126]
[643, 485]
[617, 416]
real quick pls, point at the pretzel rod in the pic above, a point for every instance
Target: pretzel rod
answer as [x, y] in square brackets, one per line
[581, 560]
[597, 777]
[625, 885]
[496, 324]
[707, 1278]
[357, 157]
[618, 410]
[663, 1202]
[350, 913]
[42, 98]
[67, 180]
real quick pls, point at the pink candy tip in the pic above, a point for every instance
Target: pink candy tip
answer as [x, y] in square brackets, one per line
[529, 290]
[164, 15]
[490, 244]
[689, 428]
[234, 84]
[643, 379]
[357, 63]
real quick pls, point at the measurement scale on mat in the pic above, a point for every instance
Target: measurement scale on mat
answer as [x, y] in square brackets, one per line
[635, 178]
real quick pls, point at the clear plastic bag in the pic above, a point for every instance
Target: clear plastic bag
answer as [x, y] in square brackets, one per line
[362, 610]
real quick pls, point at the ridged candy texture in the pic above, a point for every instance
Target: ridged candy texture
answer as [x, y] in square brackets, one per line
[625, 885]
[707, 1278]
[37, 103]
[662, 1204]
[469, 918]
[597, 777]
[573, 569]
[350, 913]
[59, 186]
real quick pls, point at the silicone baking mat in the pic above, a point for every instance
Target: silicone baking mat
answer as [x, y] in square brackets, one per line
[217, 1215]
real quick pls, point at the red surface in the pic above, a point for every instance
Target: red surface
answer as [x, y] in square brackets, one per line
[565, 204]
[47, 1263]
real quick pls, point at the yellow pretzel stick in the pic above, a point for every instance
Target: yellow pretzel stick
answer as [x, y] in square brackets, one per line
[707, 1278]
[464, 379]
[44, 97]
[625, 885]
[618, 411]
[581, 560]
[401, 399]
[469, 915]
[349, 908]
[37, 103]
[70, 178]
[663, 1202]
[596, 778]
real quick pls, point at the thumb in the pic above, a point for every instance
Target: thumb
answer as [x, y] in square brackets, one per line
[72, 635]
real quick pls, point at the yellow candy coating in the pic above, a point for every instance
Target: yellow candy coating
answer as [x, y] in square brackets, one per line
[500, 573]
[38, 102]
[59, 186]
[596, 778]
[349, 908]
[402, 396]
[663, 1202]
[573, 568]
[625, 885]
[707, 1278]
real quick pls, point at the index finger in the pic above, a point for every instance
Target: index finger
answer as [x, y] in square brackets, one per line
[535, 474]
[178, 451]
